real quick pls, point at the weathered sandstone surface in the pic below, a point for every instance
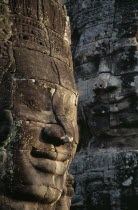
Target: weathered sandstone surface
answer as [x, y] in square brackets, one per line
[38, 106]
[104, 47]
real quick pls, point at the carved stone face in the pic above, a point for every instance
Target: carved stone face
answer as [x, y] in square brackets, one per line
[105, 59]
[38, 108]
[44, 126]
[43, 132]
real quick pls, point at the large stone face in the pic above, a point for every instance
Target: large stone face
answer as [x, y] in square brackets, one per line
[38, 104]
[104, 46]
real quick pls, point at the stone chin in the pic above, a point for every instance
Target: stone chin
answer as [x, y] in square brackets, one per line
[36, 179]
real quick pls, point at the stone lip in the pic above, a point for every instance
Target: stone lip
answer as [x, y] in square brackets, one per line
[47, 165]
[51, 154]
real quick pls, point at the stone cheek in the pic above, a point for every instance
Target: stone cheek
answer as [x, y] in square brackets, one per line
[104, 47]
[38, 106]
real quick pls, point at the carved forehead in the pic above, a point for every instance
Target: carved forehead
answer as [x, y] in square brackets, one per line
[36, 65]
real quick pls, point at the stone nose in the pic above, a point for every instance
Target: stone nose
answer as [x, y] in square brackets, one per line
[106, 81]
[101, 82]
[54, 134]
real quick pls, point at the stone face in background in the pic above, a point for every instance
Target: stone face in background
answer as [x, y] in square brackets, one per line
[104, 46]
[38, 104]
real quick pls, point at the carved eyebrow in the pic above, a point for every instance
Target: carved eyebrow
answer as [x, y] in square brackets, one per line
[56, 85]
[50, 84]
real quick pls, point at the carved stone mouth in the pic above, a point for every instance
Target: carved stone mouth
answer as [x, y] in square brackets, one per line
[49, 153]
[49, 166]
[43, 150]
